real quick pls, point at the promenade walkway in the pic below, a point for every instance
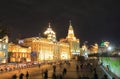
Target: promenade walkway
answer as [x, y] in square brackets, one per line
[81, 73]
[109, 73]
[32, 71]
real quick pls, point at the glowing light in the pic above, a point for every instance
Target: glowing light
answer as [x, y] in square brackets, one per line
[50, 33]
[119, 53]
[109, 48]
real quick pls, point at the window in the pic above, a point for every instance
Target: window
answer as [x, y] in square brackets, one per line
[4, 46]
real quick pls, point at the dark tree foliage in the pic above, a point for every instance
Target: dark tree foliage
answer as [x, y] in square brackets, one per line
[105, 54]
[3, 31]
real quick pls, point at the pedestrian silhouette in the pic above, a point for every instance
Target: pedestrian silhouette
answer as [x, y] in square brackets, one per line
[64, 71]
[81, 66]
[105, 76]
[27, 75]
[95, 76]
[14, 76]
[60, 76]
[77, 68]
[39, 65]
[94, 70]
[54, 68]
[46, 74]
[21, 76]
[54, 76]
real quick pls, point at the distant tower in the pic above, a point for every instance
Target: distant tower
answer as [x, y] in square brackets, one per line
[73, 42]
[50, 33]
[71, 35]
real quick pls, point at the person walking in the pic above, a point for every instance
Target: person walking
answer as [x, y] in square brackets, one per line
[60, 76]
[95, 75]
[21, 76]
[46, 74]
[54, 76]
[64, 71]
[77, 68]
[105, 76]
[14, 76]
[54, 68]
[27, 75]
[39, 65]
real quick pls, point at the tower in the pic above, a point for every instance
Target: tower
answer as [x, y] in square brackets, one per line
[50, 33]
[71, 35]
[73, 42]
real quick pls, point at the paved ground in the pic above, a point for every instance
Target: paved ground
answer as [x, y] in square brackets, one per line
[32, 72]
[72, 73]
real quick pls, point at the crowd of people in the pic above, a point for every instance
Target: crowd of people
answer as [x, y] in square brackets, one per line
[21, 75]
[54, 75]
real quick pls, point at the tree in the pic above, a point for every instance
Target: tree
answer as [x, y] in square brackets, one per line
[3, 31]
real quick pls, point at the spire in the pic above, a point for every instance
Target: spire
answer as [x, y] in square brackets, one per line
[71, 31]
[49, 30]
[70, 26]
[70, 22]
[49, 25]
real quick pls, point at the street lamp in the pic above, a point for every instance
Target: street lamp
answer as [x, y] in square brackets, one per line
[109, 48]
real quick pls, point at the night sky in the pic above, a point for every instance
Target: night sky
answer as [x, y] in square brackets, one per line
[92, 20]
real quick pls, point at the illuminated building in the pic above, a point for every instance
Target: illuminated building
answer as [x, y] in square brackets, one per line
[18, 53]
[47, 48]
[104, 47]
[3, 52]
[43, 48]
[73, 42]
[94, 48]
[106, 43]
[64, 51]
[4, 49]
[50, 33]
[84, 51]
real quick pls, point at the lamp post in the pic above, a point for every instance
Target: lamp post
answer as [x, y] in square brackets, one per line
[110, 49]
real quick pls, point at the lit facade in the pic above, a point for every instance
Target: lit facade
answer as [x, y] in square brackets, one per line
[94, 49]
[48, 48]
[73, 41]
[4, 49]
[3, 52]
[17, 53]
[64, 51]
[104, 47]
